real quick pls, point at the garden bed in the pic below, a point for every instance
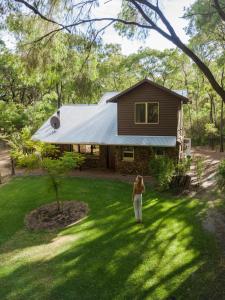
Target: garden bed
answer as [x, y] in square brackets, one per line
[48, 217]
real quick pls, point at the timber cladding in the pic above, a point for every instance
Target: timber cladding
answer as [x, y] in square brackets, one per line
[168, 112]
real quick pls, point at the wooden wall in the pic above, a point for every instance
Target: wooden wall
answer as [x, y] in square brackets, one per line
[169, 106]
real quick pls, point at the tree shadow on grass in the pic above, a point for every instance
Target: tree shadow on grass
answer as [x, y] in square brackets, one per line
[114, 258]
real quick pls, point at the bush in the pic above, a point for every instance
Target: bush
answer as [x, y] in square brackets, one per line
[221, 175]
[29, 161]
[183, 167]
[163, 169]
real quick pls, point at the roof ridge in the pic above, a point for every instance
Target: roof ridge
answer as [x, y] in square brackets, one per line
[146, 80]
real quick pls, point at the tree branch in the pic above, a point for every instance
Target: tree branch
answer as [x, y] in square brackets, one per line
[171, 36]
[219, 9]
[160, 14]
[81, 22]
[37, 12]
[177, 42]
[153, 24]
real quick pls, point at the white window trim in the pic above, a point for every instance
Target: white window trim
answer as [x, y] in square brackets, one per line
[146, 112]
[129, 159]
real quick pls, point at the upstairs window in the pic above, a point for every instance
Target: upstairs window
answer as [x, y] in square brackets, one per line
[140, 112]
[147, 113]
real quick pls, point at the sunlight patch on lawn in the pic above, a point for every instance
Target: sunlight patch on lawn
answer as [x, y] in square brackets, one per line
[10, 260]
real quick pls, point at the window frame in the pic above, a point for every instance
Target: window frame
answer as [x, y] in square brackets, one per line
[146, 112]
[128, 159]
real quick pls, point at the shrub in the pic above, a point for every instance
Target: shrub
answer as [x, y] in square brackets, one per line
[183, 166]
[163, 169]
[199, 168]
[29, 161]
[21, 143]
[221, 175]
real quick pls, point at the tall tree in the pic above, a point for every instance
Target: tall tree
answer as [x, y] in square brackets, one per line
[145, 15]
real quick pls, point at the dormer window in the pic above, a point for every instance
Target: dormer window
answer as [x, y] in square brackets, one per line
[147, 113]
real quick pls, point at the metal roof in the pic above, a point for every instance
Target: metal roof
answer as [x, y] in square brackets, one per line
[181, 92]
[94, 124]
[107, 96]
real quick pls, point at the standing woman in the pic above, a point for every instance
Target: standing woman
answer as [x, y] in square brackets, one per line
[138, 189]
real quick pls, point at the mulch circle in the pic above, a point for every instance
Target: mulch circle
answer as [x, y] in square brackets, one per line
[47, 217]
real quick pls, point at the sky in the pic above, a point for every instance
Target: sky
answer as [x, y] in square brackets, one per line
[173, 9]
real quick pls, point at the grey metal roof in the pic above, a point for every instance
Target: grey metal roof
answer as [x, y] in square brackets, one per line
[107, 96]
[94, 124]
[183, 93]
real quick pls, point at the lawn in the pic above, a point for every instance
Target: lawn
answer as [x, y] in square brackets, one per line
[107, 255]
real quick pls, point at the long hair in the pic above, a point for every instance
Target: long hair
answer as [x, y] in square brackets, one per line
[139, 182]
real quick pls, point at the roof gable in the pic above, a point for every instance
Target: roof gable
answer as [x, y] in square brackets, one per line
[174, 93]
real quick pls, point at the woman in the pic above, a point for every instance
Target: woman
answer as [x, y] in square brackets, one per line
[138, 189]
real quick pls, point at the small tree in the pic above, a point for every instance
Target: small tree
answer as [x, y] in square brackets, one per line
[57, 168]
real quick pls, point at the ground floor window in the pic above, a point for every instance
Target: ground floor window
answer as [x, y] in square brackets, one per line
[128, 153]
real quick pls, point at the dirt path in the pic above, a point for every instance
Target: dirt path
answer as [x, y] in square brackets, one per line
[214, 221]
[211, 160]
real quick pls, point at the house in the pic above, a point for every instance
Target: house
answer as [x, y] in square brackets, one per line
[124, 130]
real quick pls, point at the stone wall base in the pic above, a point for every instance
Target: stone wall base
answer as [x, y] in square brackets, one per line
[142, 156]
[140, 164]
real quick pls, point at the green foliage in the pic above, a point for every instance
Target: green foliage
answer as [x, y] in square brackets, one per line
[183, 166]
[73, 69]
[12, 117]
[24, 150]
[211, 130]
[30, 161]
[163, 169]
[199, 168]
[221, 175]
[57, 168]
[60, 167]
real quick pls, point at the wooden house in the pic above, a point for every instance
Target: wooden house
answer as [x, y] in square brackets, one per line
[124, 130]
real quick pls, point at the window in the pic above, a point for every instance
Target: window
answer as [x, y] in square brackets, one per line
[147, 113]
[128, 153]
[153, 112]
[140, 113]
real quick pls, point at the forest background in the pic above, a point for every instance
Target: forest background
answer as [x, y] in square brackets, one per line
[39, 74]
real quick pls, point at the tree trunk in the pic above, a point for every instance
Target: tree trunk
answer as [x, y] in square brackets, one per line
[12, 167]
[57, 196]
[221, 126]
[59, 93]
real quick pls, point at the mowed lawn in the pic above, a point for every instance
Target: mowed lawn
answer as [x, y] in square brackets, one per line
[107, 255]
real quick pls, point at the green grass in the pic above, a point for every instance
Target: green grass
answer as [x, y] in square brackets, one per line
[107, 255]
